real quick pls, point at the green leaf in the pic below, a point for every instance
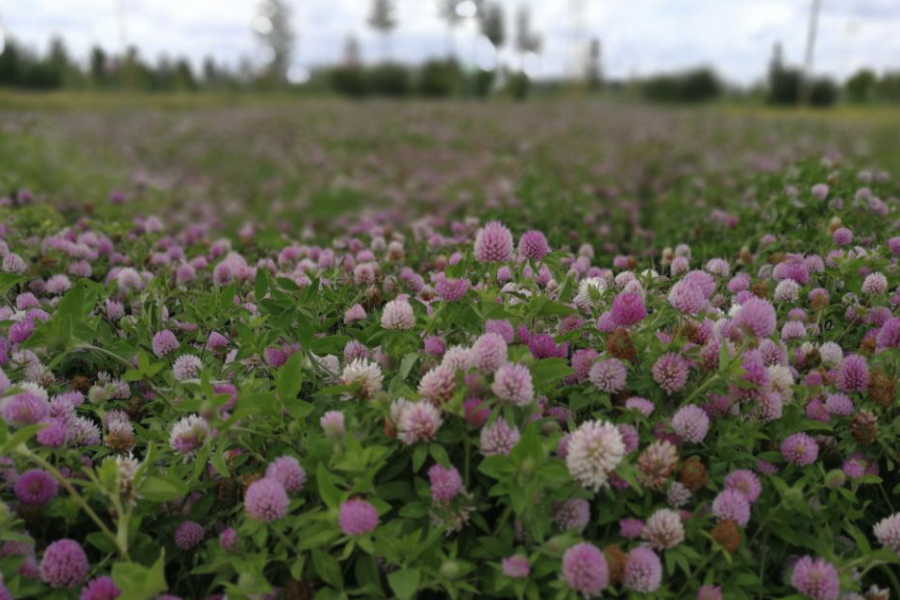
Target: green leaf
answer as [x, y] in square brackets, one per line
[261, 285]
[550, 369]
[137, 582]
[405, 582]
[328, 568]
[162, 488]
[331, 496]
[20, 437]
[290, 377]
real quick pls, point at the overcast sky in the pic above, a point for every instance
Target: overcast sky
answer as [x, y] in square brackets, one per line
[639, 36]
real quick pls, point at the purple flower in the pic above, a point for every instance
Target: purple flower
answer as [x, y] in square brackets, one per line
[691, 422]
[512, 383]
[266, 500]
[445, 483]
[542, 345]
[628, 309]
[288, 472]
[757, 316]
[671, 373]
[516, 566]
[709, 592]
[499, 438]
[887, 532]
[502, 328]
[574, 513]
[228, 539]
[489, 352]
[853, 375]
[817, 578]
[533, 245]
[494, 243]
[25, 409]
[101, 588]
[800, 449]
[746, 482]
[36, 487]
[64, 564]
[643, 570]
[332, 423]
[609, 375]
[732, 505]
[164, 343]
[188, 535]
[842, 236]
[584, 570]
[686, 298]
[452, 290]
[357, 517]
[631, 528]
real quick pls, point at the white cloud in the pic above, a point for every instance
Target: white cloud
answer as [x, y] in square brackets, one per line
[639, 36]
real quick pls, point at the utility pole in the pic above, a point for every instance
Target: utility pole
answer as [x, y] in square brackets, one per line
[805, 80]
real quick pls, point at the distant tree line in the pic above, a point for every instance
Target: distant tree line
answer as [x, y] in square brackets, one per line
[23, 68]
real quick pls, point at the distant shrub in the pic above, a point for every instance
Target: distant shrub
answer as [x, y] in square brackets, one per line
[481, 83]
[518, 86]
[823, 92]
[390, 79]
[695, 85]
[439, 79]
[860, 88]
[350, 81]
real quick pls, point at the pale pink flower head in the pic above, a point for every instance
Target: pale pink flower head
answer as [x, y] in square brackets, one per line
[746, 482]
[512, 384]
[664, 529]
[584, 570]
[287, 471]
[533, 245]
[516, 566]
[732, 505]
[691, 422]
[817, 579]
[594, 450]
[643, 570]
[671, 372]
[357, 517]
[266, 500]
[332, 423]
[499, 438]
[494, 243]
[164, 343]
[489, 352]
[609, 375]
[354, 313]
[800, 449]
[398, 315]
[887, 532]
[445, 482]
[64, 564]
[757, 317]
[628, 309]
[418, 422]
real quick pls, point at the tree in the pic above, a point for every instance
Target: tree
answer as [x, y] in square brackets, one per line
[99, 69]
[384, 21]
[527, 41]
[594, 67]
[861, 86]
[10, 64]
[493, 27]
[272, 27]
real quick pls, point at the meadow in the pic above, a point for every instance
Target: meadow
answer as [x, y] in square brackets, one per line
[277, 348]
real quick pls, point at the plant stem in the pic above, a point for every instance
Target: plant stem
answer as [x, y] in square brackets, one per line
[79, 500]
